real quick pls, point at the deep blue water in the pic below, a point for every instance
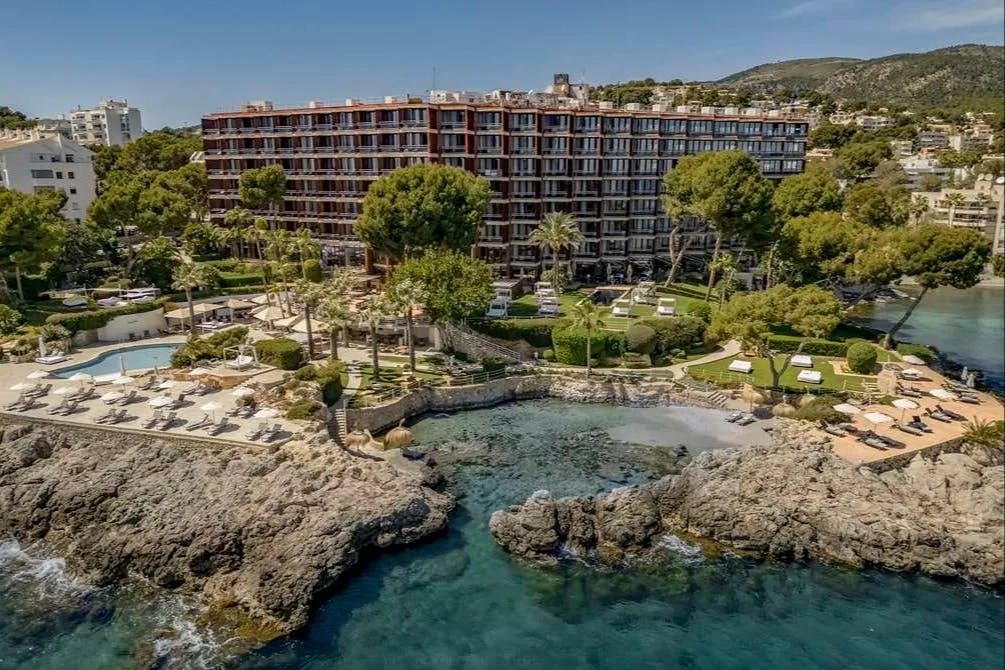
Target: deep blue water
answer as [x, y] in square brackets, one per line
[457, 601]
[141, 357]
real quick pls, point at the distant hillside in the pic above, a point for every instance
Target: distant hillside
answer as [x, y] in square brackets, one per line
[949, 76]
[799, 74]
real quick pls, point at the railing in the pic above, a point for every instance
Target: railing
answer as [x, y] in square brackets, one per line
[465, 334]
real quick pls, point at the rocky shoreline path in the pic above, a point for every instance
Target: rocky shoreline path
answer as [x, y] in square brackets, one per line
[792, 499]
[258, 534]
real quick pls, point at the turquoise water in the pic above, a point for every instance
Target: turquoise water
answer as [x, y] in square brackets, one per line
[131, 358]
[457, 601]
[968, 327]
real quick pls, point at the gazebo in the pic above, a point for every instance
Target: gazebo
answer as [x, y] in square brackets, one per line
[244, 357]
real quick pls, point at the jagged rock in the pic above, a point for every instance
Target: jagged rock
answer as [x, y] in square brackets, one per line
[256, 532]
[943, 516]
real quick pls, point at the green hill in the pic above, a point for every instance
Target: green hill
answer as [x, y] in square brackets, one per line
[799, 74]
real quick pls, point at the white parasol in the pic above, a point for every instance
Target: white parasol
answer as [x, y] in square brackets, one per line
[941, 394]
[37, 374]
[198, 372]
[845, 408]
[22, 386]
[905, 403]
[911, 359]
[81, 377]
[64, 390]
[160, 401]
[122, 380]
[166, 384]
[266, 413]
[877, 417]
[112, 396]
[212, 407]
[242, 392]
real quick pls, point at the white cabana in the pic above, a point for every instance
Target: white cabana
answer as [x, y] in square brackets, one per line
[244, 357]
[289, 321]
[182, 314]
[666, 307]
[621, 308]
[802, 361]
[846, 408]
[810, 377]
[911, 359]
[942, 394]
[877, 417]
[745, 367]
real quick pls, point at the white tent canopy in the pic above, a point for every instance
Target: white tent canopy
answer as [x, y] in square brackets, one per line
[182, 314]
[846, 408]
[877, 417]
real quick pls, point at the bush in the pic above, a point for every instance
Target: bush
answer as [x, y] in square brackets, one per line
[198, 349]
[821, 408]
[640, 338]
[921, 351]
[303, 409]
[232, 279]
[536, 332]
[548, 355]
[700, 310]
[10, 319]
[634, 360]
[283, 353]
[92, 320]
[313, 271]
[308, 373]
[787, 344]
[570, 345]
[682, 332]
[493, 364]
[862, 358]
[329, 377]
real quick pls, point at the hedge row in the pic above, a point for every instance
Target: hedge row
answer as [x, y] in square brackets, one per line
[328, 377]
[789, 343]
[570, 345]
[232, 279]
[283, 353]
[537, 332]
[921, 351]
[92, 320]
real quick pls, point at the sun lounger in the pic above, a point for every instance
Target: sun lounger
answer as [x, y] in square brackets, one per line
[621, 308]
[970, 399]
[272, 433]
[810, 377]
[412, 454]
[955, 416]
[126, 399]
[215, 428]
[258, 431]
[746, 420]
[871, 439]
[84, 394]
[909, 392]
[745, 367]
[56, 409]
[107, 416]
[939, 416]
[70, 407]
[39, 392]
[52, 360]
[832, 430]
[735, 416]
[21, 399]
[149, 384]
[916, 422]
[117, 416]
[203, 420]
[908, 428]
[166, 422]
[241, 362]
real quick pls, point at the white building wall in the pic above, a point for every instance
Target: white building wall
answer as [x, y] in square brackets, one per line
[31, 163]
[112, 123]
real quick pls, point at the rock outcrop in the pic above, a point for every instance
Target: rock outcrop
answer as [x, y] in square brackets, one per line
[792, 499]
[257, 533]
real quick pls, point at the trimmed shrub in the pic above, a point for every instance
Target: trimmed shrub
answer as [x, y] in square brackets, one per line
[308, 373]
[787, 344]
[862, 358]
[283, 353]
[329, 377]
[682, 332]
[570, 345]
[232, 279]
[548, 355]
[536, 332]
[313, 271]
[640, 338]
[10, 319]
[207, 348]
[634, 360]
[921, 351]
[821, 408]
[303, 409]
[700, 310]
[92, 320]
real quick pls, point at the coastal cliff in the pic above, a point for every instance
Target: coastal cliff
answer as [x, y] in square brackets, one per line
[792, 499]
[257, 533]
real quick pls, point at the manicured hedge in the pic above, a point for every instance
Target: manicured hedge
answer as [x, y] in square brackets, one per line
[91, 320]
[640, 338]
[636, 361]
[921, 351]
[570, 345]
[283, 353]
[231, 279]
[786, 344]
[536, 332]
[862, 358]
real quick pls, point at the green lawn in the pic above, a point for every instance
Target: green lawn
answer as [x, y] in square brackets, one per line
[718, 371]
[526, 305]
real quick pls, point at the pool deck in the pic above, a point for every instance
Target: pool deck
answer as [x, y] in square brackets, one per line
[139, 411]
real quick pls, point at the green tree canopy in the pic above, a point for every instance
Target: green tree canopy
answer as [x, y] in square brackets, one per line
[262, 188]
[425, 206]
[158, 151]
[32, 230]
[870, 204]
[557, 231]
[802, 194]
[857, 160]
[456, 286]
[831, 135]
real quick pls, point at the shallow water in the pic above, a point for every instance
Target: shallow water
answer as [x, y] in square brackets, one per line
[457, 601]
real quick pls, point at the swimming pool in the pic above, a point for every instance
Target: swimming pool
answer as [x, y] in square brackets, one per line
[131, 358]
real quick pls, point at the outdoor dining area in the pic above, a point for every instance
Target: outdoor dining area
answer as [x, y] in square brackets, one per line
[196, 406]
[210, 316]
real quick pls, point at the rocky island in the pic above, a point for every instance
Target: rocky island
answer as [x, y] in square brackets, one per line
[792, 499]
[257, 533]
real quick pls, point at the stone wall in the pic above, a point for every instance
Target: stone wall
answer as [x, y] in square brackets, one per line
[587, 390]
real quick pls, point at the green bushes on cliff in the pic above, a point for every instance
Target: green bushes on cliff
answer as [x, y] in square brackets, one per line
[283, 353]
[862, 358]
[570, 345]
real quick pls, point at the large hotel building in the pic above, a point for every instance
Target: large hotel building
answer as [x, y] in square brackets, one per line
[540, 154]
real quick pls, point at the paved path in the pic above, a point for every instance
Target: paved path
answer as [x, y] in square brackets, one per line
[731, 348]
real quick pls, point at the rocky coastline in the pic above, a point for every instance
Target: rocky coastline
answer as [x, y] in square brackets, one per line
[257, 534]
[943, 516]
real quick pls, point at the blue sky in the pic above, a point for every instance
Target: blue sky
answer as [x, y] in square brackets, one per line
[180, 59]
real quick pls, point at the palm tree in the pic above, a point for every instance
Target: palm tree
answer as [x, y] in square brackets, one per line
[985, 433]
[306, 248]
[405, 296]
[586, 316]
[557, 231]
[333, 309]
[310, 295]
[954, 200]
[188, 276]
[279, 250]
[918, 208]
[725, 265]
[375, 309]
[248, 228]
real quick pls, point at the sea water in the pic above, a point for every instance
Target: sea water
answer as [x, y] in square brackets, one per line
[457, 601]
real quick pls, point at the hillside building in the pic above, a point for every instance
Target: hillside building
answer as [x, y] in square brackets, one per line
[32, 162]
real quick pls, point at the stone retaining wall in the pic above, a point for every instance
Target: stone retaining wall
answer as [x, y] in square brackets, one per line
[586, 390]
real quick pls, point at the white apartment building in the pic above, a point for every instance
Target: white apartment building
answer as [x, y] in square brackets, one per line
[979, 208]
[874, 122]
[32, 162]
[111, 122]
[932, 140]
[967, 142]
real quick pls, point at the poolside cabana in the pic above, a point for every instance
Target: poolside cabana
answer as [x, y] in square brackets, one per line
[810, 376]
[244, 357]
[497, 308]
[621, 307]
[746, 367]
[666, 307]
[801, 361]
[181, 315]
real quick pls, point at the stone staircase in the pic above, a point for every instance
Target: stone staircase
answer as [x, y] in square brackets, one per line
[462, 338]
[340, 423]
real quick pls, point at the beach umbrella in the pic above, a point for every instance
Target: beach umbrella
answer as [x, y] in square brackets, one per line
[904, 404]
[972, 379]
[783, 409]
[877, 417]
[37, 374]
[846, 408]
[112, 396]
[81, 377]
[941, 394]
[160, 401]
[166, 384]
[122, 365]
[266, 413]
[41, 346]
[64, 390]
[964, 373]
[212, 407]
[399, 436]
[752, 396]
[22, 386]
[911, 359]
[122, 380]
[242, 392]
[198, 372]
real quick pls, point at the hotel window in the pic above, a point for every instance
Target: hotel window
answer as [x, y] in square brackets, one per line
[554, 122]
[750, 146]
[554, 189]
[795, 128]
[555, 166]
[646, 166]
[673, 126]
[41, 174]
[488, 167]
[556, 145]
[489, 119]
[587, 124]
[452, 117]
[673, 147]
[616, 146]
[453, 161]
[696, 146]
[725, 127]
[489, 143]
[522, 144]
[587, 145]
[521, 122]
[615, 166]
[415, 139]
[772, 147]
[415, 116]
[700, 127]
[771, 166]
[792, 166]
[366, 119]
[793, 147]
[524, 189]
[452, 142]
[525, 166]
[724, 145]
[586, 165]
[646, 146]
[750, 127]
[615, 187]
[645, 186]
[617, 124]
[646, 125]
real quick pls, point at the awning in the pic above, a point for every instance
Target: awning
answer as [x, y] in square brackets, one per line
[183, 313]
[235, 303]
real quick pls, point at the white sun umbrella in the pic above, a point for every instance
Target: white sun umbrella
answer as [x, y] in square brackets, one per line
[112, 396]
[262, 299]
[198, 372]
[846, 408]
[877, 417]
[122, 380]
[122, 365]
[212, 407]
[268, 314]
[266, 413]
[81, 377]
[37, 374]
[242, 392]
[911, 359]
[904, 404]
[942, 394]
[911, 372]
[166, 384]
[316, 326]
[64, 390]
[22, 386]
[160, 401]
